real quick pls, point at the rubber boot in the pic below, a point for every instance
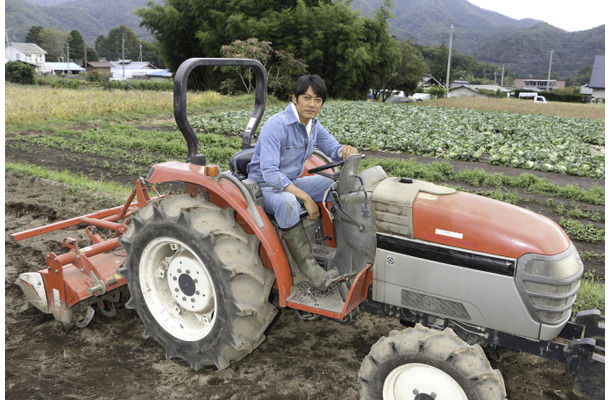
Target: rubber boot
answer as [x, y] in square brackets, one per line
[300, 249]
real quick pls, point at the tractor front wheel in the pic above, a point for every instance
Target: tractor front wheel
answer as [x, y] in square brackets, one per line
[197, 281]
[422, 364]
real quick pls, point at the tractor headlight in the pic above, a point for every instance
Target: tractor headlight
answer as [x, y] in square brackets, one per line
[548, 284]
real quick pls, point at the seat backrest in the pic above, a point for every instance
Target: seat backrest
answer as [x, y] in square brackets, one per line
[239, 163]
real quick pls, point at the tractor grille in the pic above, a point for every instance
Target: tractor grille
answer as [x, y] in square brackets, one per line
[548, 285]
[433, 305]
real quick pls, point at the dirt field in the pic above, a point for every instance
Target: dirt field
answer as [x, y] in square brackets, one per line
[109, 359]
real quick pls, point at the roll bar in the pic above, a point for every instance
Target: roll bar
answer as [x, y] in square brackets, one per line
[180, 84]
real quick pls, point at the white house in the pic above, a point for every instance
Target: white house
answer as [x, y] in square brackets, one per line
[464, 91]
[29, 53]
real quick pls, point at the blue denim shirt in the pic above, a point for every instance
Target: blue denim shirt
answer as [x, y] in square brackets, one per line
[283, 147]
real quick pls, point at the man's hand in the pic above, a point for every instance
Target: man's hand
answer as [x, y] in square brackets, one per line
[347, 151]
[312, 208]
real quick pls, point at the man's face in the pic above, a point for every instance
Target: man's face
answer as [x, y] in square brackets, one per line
[308, 105]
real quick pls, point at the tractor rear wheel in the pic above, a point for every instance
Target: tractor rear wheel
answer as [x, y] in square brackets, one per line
[421, 363]
[196, 281]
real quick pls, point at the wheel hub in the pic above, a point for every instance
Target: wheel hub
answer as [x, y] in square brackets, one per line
[189, 284]
[421, 382]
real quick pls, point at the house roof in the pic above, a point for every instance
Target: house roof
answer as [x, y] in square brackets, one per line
[27, 48]
[162, 73]
[129, 64]
[63, 66]
[100, 64]
[466, 87]
[598, 74]
[428, 79]
[490, 87]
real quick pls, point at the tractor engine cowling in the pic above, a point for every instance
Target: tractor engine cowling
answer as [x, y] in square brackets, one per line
[470, 258]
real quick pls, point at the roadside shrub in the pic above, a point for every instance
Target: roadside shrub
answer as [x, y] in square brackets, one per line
[96, 76]
[134, 84]
[57, 82]
[437, 91]
[18, 72]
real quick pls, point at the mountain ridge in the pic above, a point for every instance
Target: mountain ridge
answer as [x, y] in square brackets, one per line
[523, 46]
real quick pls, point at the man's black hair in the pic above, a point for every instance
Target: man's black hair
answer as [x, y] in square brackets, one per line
[317, 85]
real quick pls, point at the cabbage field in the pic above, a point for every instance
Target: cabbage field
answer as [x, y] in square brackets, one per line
[572, 146]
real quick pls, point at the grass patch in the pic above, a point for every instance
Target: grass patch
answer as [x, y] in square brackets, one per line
[60, 104]
[592, 294]
[74, 183]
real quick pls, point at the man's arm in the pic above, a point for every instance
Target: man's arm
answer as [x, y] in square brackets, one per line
[310, 205]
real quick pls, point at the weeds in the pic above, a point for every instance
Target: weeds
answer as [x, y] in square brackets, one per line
[591, 294]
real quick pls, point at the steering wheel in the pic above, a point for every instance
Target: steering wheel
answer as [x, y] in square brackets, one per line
[318, 170]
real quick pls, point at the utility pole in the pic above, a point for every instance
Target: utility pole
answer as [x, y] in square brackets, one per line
[140, 52]
[502, 78]
[67, 58]
[449, 58]
[548, 79]
[123, 55]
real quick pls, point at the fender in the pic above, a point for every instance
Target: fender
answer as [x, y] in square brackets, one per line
[224, 193]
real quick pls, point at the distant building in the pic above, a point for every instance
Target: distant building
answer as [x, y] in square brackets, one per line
[63, 68]
[102, 67]
[129, 69]
[597, 83]
[428, 81]
[539, 84]
[28, 53]
[457, 83]
[159, 74]
[464, 91]
[492, 88]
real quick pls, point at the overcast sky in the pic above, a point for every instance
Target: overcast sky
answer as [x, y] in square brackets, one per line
[568, 15]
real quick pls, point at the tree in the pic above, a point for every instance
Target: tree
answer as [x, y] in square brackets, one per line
[341, 46]
[438, 67]
[53, 41]
[33, 35]
[77, 46]
[19, 72]
[410, 68]
[282, 67]
[286, 70]
[251, 48]
[119, 40]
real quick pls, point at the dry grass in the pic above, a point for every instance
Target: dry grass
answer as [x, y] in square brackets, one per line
[35, 104]
[571, 110]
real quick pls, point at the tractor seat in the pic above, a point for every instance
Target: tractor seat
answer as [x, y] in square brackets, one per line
[239, 163]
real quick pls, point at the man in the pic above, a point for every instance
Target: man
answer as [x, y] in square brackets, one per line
[286, 141]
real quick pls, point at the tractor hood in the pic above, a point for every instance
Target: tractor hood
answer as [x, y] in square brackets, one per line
[441, 215]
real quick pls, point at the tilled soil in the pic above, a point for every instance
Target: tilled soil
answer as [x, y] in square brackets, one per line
[109, 359]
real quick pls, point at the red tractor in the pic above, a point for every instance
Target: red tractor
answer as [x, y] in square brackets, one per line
[465, 273]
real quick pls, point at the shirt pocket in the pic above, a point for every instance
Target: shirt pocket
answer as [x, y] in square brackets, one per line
[292, 153]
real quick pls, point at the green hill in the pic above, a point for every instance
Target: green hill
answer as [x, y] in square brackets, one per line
[90, 17]
[523, 46]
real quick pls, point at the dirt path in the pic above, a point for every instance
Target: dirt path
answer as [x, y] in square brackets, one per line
[109, 359]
